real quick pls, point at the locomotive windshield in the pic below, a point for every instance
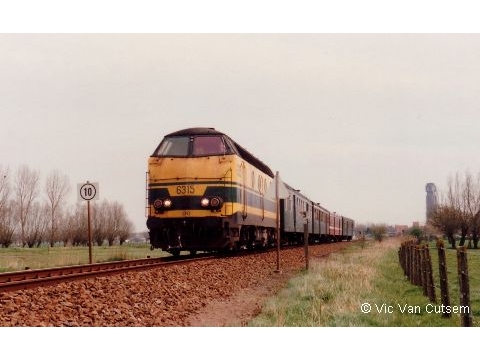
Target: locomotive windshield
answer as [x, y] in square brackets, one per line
[174, 146]
[208, 145]
[185, 146]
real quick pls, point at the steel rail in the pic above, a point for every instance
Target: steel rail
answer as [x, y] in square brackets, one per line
[22, 280]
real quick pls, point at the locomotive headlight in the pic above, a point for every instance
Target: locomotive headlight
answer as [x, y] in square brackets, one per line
[157, 204]
[216, 202]
[205, 202]
[167, 203]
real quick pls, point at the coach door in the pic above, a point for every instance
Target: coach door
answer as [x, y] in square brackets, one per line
[294, 213]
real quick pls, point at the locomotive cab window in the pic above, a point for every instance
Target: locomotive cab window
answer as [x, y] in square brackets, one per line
[209, 145]
[174, 146]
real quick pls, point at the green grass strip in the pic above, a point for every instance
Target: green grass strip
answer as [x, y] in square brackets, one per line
[364, 286]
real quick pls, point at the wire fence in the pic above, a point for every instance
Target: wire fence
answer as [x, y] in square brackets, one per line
[416, 263]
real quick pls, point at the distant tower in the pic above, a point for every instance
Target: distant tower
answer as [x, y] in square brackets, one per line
[432, 199]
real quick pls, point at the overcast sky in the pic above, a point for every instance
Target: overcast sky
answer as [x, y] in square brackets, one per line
[360, 123]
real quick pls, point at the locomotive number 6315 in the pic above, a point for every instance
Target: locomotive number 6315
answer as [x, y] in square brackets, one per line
[185, 189]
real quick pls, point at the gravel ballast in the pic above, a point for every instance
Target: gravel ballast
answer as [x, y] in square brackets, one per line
[172, 296]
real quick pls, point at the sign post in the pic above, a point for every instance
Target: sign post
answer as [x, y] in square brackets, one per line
[87, 192]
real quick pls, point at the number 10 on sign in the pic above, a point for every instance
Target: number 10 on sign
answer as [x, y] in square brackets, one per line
[88, 191]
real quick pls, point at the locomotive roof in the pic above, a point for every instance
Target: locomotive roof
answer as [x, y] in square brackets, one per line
[196, 131]
[240, 150]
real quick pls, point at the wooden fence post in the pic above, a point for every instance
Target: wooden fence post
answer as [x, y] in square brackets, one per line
[464, 286]
[402, 257]
[418, 266]
[414, 264]
[423, 269]
[430, 282]
[442, 267]
[411, 254]
[406, 255]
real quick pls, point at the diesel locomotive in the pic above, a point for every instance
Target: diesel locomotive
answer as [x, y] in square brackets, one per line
[205, 192]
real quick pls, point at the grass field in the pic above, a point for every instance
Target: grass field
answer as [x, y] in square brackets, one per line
[367, 277]
[14, 259]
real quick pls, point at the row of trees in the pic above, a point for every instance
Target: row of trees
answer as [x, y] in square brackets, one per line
[458, 210]
[30, 219]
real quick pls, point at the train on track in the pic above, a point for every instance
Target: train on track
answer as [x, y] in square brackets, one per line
[205, 192]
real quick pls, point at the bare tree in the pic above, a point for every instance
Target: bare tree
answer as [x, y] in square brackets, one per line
[76, 227]
[125, 230]
[457, 195]
[472, 196]
[36, 225]
[113, 215]
[110, 210]
[459, 211]
[123, 226]
[57, 187]
[4, 188]
[117, 225]
[446, 218]
[26, 190]
[7, 222]
[99, 221]
[7, 225]
[63, 227]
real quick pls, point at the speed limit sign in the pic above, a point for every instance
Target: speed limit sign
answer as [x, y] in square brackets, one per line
[88, 191]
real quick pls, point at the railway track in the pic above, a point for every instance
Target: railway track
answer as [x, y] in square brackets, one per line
[168, 296]
[21, 280]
